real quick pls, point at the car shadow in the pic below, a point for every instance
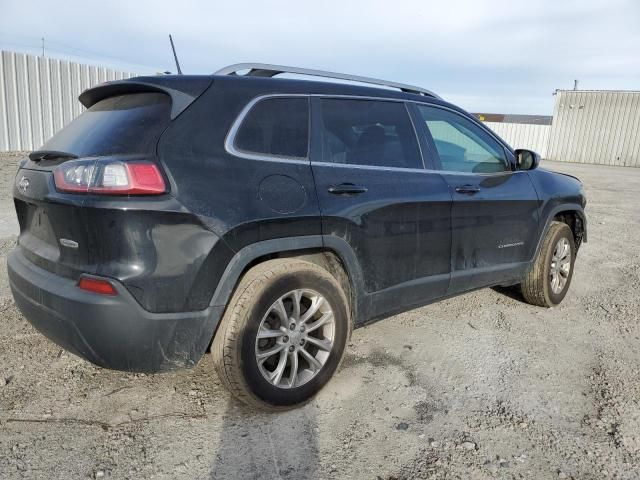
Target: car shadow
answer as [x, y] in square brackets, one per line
[257, 445]
[512, 292]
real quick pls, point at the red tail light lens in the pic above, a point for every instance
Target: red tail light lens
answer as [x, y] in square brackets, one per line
[95, 285]
[109, 177]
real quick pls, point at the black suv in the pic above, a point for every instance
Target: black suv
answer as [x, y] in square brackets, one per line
[265, 218]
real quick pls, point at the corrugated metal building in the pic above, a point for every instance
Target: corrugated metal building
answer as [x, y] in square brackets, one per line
[600, 127]
[39, 95]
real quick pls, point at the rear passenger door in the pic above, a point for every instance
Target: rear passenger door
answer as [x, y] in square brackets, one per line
[375, 195]
[494, 214]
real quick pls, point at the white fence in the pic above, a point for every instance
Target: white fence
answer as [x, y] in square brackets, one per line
[523, 135]
[39, 95]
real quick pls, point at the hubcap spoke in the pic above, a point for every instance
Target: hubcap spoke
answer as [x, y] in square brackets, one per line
[297, 298]
[316, 303]
[281, 311]
[322, 344]
[313, 362]
[327, 317]
[268, 333]
[293, 375]
[263, 355]
[276, 376]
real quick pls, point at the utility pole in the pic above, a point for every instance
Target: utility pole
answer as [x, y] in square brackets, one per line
[43, 46]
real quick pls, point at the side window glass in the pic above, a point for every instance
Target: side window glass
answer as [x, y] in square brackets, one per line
[368, 132]
[277, 127]
[462, 146]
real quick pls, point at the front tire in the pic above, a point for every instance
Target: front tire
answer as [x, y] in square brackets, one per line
[548, 281]
[283, 334]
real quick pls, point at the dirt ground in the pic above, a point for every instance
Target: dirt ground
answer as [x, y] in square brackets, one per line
[480, 386]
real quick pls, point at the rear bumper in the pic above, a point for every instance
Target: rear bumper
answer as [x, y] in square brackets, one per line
[110, 331]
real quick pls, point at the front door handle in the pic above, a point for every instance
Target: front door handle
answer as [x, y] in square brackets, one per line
[468, 189]
[347, 189]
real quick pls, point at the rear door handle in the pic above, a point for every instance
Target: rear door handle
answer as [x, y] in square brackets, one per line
[468, 189]
[347, 189]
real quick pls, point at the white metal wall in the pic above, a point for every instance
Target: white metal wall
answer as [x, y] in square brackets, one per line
[522, 135]
[596, 127]
[39, 95]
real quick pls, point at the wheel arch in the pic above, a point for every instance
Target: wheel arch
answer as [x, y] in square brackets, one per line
[334, 255]
[577, 223]
[571, 214]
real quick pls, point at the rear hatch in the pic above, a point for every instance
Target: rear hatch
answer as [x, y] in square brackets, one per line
[123, 124]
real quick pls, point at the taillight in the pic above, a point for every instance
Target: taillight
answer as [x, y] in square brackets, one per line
[95, 285]
[109, 177]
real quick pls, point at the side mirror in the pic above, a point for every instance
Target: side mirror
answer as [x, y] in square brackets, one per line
[527, 159]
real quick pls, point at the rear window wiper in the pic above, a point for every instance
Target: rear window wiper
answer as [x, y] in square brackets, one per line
[50, 155]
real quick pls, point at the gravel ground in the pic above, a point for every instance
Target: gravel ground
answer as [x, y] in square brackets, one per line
[480, 386]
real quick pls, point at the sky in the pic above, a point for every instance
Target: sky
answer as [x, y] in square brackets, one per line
[493, 56]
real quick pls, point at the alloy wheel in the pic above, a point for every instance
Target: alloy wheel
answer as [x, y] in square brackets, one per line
[560, 265]
[295, 338]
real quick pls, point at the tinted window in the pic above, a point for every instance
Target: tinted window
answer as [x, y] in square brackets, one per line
[463, 146]
[366, 132]
[122, 124]
[276, 126]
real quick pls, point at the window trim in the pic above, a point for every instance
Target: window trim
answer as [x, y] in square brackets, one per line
[320, 122]
[506, 149]
[230, 139]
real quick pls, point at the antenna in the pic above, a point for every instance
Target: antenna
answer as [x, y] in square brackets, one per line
[175, 56]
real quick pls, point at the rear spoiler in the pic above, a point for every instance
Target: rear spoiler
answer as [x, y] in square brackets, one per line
[182, 89]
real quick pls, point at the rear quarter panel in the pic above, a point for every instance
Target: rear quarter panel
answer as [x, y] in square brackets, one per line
[241, 200]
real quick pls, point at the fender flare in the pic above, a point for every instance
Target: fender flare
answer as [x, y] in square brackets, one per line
[565, 207]
[246, 255]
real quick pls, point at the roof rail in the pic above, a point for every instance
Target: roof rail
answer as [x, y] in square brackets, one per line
[267, 70]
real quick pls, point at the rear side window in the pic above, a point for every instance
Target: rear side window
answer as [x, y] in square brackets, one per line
[276, 127]
[129, 123]
[368, 132]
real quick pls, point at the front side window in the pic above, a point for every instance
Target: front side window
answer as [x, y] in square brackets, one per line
[368, 132]
[462, 146]
[276, 127]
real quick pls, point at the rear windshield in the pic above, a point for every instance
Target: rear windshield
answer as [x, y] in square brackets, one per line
[128, 124]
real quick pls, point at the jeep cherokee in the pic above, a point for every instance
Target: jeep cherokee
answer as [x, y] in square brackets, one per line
[264, 218]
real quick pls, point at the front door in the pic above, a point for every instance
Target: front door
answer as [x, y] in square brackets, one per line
[494, 214]
[375, 194]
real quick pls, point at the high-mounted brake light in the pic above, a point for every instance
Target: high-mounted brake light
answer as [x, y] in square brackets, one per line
[109, 177]
[95, 285]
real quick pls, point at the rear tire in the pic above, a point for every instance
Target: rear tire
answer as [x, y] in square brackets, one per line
[548, 281]
[262, 317]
